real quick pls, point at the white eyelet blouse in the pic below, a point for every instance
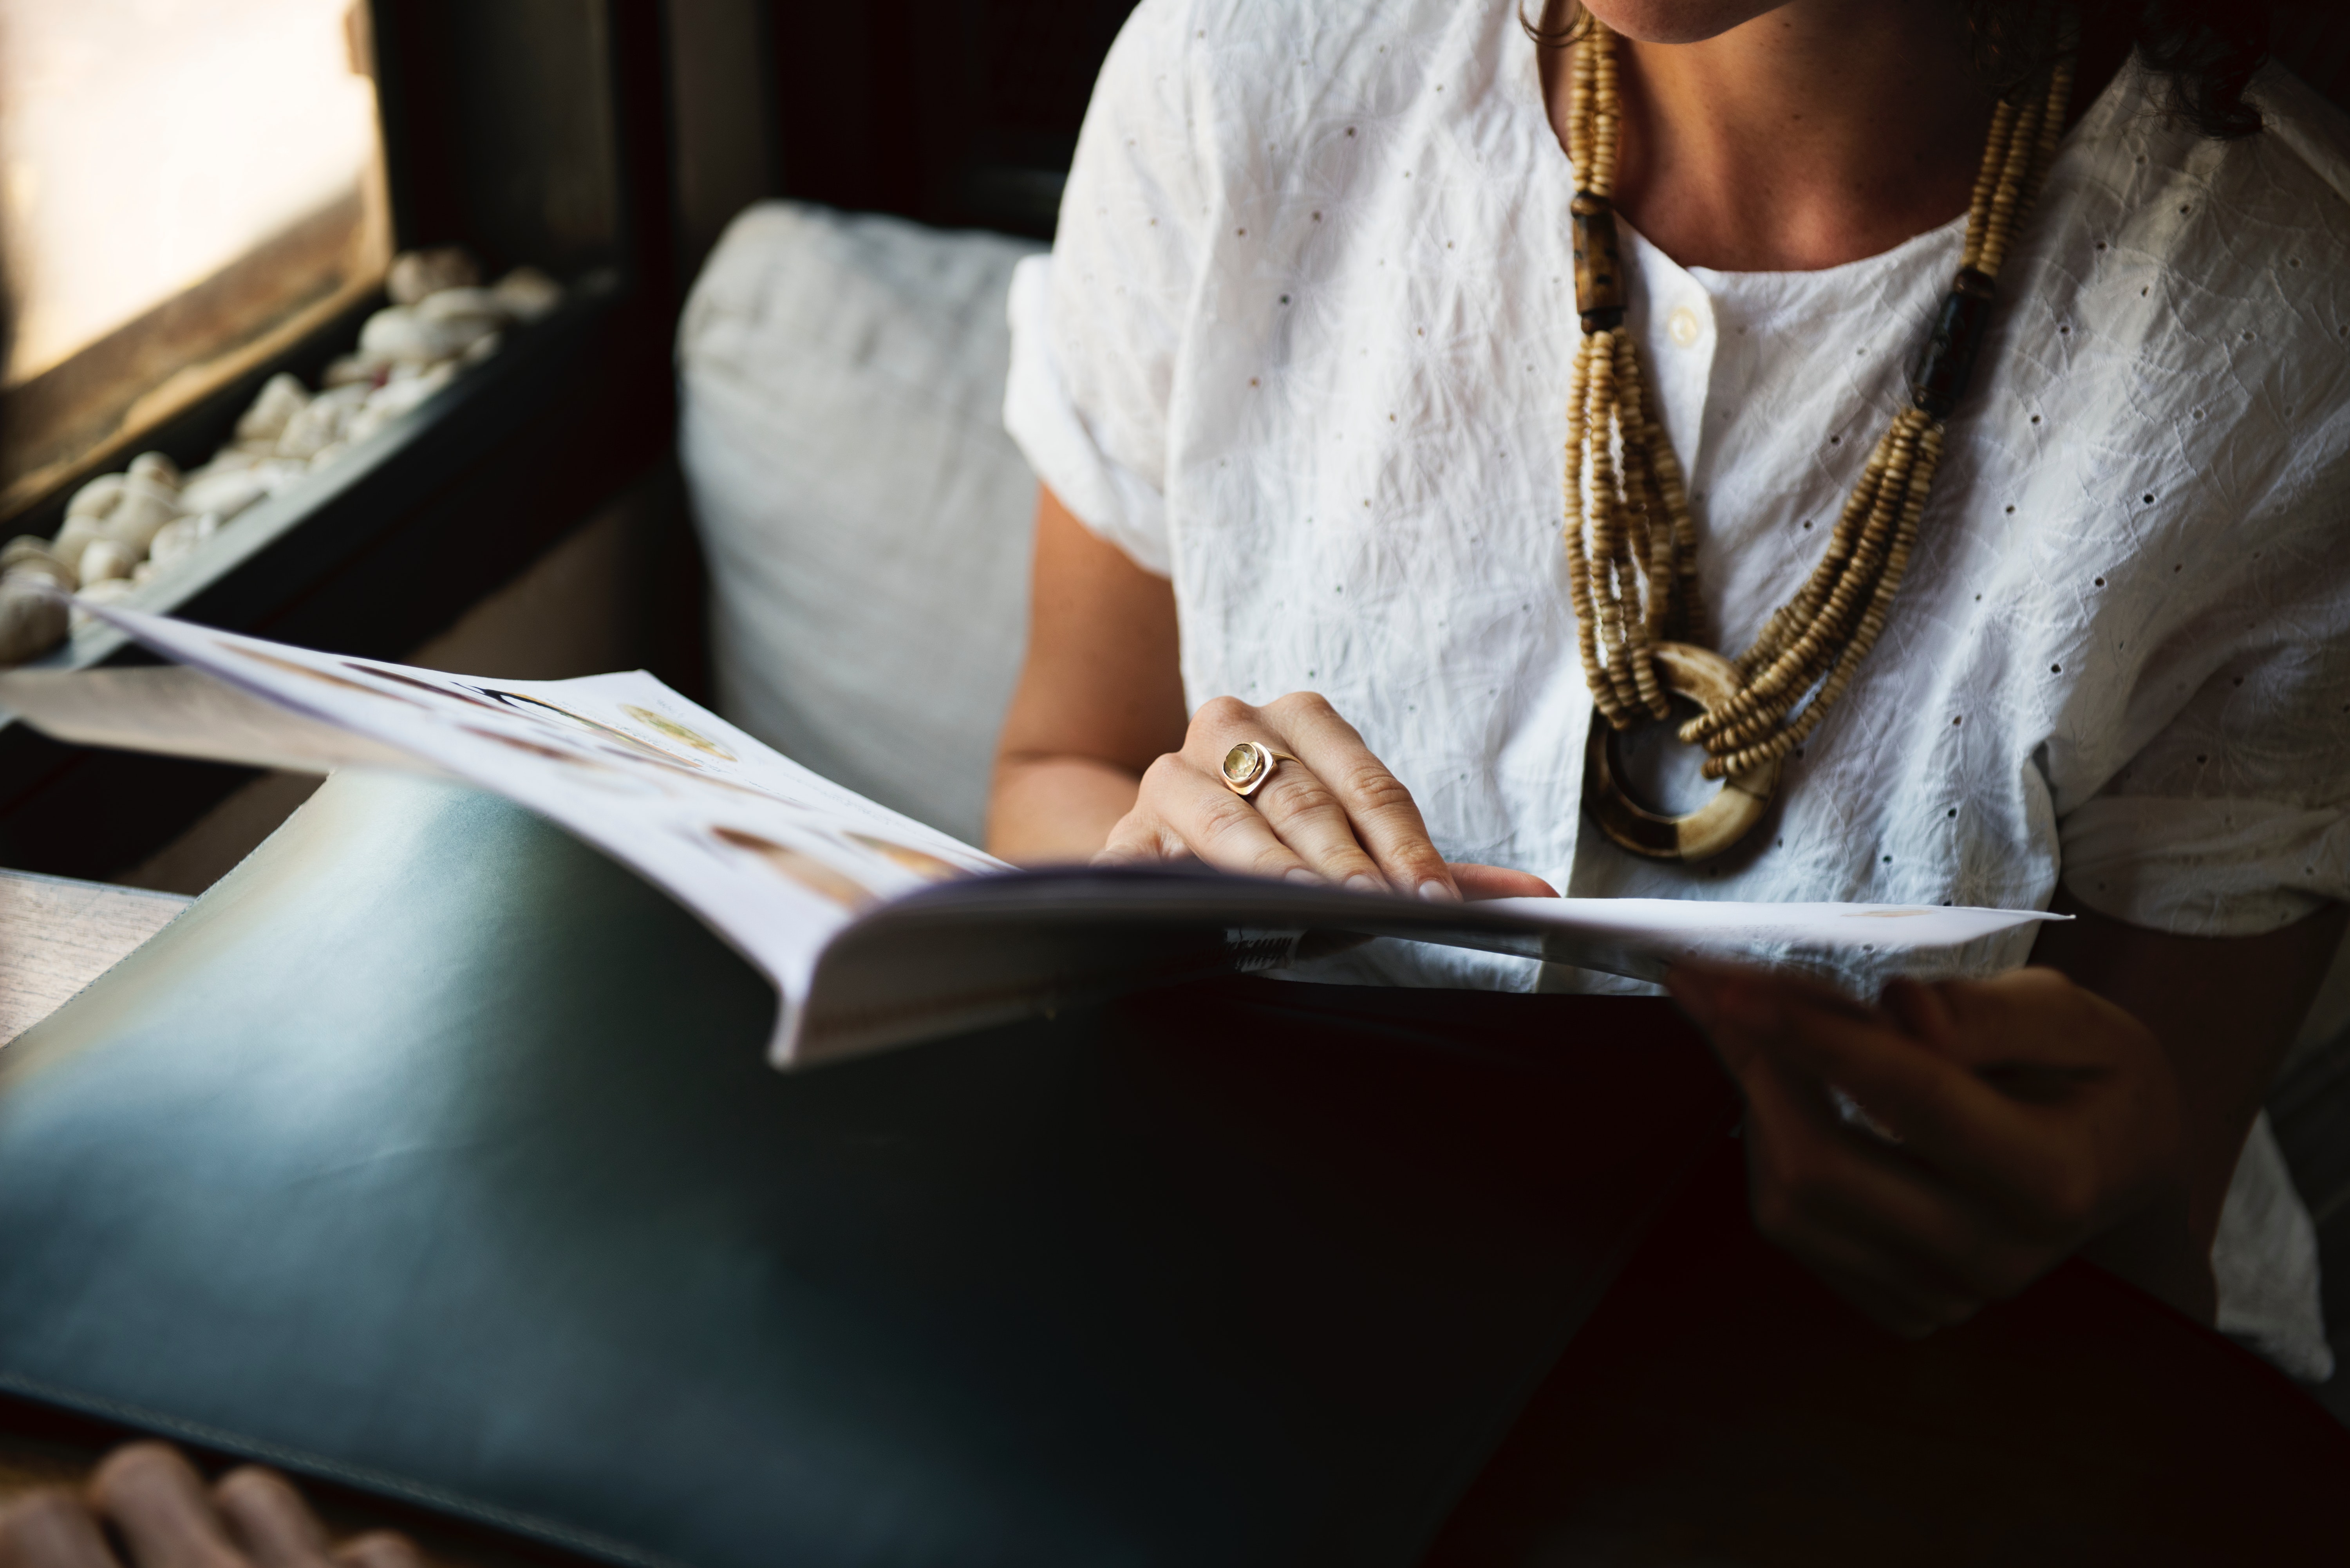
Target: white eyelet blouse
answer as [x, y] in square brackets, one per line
[1301, 344]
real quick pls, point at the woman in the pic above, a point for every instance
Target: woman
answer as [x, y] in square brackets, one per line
[1295, 380]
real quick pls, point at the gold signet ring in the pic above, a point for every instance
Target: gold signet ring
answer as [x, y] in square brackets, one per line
[1248, 765]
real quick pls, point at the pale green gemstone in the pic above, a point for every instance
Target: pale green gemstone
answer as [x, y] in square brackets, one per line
[1239, 764]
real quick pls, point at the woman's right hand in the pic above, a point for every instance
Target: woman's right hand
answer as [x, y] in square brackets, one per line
[1335, 816]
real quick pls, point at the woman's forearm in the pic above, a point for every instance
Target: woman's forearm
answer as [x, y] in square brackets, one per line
[1097, 700]
[1055, 809]
[2226, 1010]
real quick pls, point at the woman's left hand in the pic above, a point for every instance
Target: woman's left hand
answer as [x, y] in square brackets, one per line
[1945, 1148]
[146, 1507]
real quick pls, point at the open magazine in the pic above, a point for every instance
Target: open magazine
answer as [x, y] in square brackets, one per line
[875, 929]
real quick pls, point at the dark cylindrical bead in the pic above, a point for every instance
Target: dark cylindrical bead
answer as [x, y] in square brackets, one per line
[1949, 360]
[1598, 275]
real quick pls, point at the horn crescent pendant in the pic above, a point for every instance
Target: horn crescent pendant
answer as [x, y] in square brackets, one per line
[1706, 678]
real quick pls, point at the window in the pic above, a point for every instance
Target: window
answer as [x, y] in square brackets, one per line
[187, 187]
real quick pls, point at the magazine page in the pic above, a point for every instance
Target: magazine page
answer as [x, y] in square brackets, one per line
[875, 929]
[181, 712]
[772, 858]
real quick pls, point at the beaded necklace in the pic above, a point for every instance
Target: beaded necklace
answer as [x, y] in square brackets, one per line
[1631, 549]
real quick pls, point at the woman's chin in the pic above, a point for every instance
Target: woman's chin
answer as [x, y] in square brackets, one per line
[1676, 21]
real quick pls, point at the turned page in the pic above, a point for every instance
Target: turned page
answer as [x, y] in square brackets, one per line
[773, 857]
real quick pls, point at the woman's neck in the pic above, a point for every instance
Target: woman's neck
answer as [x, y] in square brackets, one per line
[1814, 134]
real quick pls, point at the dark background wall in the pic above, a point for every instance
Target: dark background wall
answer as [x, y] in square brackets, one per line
[953, 111]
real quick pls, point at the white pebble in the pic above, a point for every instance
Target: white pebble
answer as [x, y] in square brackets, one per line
[415, 274]
[371, 369]
[280, 398]
[78, 534]
[34, 617]
[96, 498]
[146, 506]
[105, 560]
[458, 304]
[31, 555]
[178, 538]
[226, 490]
[394, 333]
[320, 423]
[401, 335]
[364, 424]
[280, 472]
[528, 294]
[153, 468]
[396, 397]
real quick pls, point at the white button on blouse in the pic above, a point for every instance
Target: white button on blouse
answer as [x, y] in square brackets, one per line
[1302, 345]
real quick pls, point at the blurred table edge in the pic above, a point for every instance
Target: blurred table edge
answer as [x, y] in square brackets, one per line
[56, 935]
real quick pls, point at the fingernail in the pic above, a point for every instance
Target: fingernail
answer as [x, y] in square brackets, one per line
[1435, 892]
[1303, 877]
[1364, 882]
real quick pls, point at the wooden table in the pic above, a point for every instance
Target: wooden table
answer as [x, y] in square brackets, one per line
[58, 935]
[1718, 1408]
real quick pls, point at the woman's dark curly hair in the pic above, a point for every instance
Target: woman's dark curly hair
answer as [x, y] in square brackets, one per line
[2204, 51]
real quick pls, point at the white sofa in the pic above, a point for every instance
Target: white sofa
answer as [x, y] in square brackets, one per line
[866, 520]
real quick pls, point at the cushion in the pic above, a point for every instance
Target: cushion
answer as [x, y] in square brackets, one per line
[866, 520]
[434, 1152]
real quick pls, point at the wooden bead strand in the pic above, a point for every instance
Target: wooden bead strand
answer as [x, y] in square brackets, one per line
[1631, 544]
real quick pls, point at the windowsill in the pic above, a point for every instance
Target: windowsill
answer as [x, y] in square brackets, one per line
[476, 409]
[372, 556]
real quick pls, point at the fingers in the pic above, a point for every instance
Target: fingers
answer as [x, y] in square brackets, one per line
[380, 1549]
[1477, 881]
[268, 1519]
[2036, 1018]
[1789, 1174]
[168, 1518]
[160, 1505]
[50, 1529]
[1303, 809]
[1335, 814]
[2055, 1151]
[2033, 1046]
[1182, 813]
[2027, 1118]
[1372, 807]
[1873, 1213]
[1945, 1115]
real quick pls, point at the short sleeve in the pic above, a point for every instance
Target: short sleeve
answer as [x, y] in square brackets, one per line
[2234, 818]
[1098, 327]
